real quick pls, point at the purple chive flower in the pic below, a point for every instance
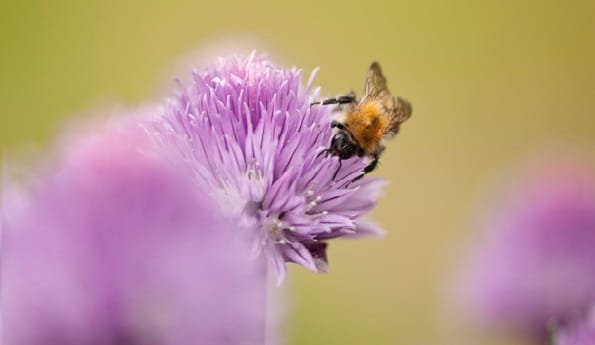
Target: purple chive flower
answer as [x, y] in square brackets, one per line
[111, 245]
[582, 333]
[247, 130]
[535, 266]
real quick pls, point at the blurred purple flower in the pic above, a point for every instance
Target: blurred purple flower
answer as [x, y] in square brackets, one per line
[246, 129]
[111, 246]
[582, 333]
[535, 266]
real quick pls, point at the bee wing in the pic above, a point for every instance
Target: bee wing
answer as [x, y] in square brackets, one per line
[401, 111]
[375, 84]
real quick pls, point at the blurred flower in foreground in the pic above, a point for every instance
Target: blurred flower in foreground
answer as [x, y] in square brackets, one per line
[112, 245]
[535, 266]
[246, 129]
[577, 334]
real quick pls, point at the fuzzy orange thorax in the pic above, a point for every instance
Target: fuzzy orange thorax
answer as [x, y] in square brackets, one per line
[366, 123]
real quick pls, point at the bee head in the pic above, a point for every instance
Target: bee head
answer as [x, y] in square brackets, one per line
[343, 145]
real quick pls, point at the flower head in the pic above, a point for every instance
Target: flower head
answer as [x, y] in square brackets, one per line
[110, 246]
[247, 130]
[536, 264]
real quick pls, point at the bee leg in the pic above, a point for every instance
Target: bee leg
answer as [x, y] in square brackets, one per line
[346, 99]
[325, 152]
[357, 178]
[337, 100]
[325, 102]
[369, 168]
[372, 165]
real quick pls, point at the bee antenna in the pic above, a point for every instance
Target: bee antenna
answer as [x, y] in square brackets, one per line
[338, 168]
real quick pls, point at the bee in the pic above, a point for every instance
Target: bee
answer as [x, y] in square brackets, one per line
[366, 123]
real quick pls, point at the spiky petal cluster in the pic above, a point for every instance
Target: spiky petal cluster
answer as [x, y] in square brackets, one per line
[247, 130]
[110, 246]
[535, 266]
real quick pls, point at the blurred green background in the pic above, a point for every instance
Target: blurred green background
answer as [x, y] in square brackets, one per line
[490, 82]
